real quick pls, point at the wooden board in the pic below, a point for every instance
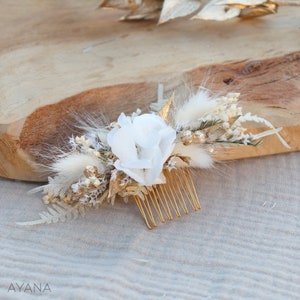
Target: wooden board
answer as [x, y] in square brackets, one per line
[71, 50]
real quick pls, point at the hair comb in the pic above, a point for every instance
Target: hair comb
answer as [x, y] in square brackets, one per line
[165, 201]
[147, 157]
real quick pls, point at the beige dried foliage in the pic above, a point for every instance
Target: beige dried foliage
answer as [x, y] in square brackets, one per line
[218, 10]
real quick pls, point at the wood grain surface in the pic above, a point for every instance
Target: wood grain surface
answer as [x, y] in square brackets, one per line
[72, 57]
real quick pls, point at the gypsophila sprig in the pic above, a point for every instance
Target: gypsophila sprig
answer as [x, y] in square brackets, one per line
[147, 157]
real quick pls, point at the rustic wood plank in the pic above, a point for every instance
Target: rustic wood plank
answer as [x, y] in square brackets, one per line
[68, 47]
[75, 52]
[262, 92]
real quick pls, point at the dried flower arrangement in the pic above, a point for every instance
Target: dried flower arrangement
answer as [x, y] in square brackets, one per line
[218, 10]
[147, 157]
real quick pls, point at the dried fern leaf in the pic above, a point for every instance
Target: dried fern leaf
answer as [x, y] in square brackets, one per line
[59, 212]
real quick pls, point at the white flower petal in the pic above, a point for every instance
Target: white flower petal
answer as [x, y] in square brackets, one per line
[122, 143]
[137, 164]
[152, 174]
[136, 174]
[123, 120]
[142, 144]
[168, 136]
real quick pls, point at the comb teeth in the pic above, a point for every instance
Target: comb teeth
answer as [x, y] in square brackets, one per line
[165, 201]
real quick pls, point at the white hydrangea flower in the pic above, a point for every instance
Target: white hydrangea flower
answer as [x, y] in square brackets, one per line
[142, 145]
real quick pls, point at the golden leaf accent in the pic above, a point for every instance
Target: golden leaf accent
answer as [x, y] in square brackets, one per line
[165, 110]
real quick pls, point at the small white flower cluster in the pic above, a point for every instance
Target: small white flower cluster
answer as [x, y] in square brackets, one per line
[230, 114]
[89, 187]
[221, 122]
[84, 145]
[232, 118]
[227, 107]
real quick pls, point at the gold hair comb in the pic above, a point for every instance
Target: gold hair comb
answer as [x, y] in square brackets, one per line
[166, 201]
[147, 157]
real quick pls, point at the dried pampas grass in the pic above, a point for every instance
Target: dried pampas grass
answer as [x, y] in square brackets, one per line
[199, 157]
[68, 170]
[197, 106]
